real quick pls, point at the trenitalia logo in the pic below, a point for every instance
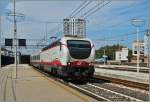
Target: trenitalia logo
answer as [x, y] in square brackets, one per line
[79, 63]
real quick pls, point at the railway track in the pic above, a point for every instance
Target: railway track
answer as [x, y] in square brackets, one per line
[125, 69]
[124, 82]
[103, 94]
[95, 90]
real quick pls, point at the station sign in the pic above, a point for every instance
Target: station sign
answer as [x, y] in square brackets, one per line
[22, 42]
[9, 42]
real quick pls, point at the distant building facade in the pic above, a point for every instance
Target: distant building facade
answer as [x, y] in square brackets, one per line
[135, 48]
[142, 51]
[122, 55]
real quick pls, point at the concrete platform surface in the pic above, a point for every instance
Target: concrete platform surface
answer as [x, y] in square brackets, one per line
[32, 86]
[126, 75]
[118, 66]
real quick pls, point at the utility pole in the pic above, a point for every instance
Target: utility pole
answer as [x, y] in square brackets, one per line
[138, 50]
[15, 38]
[0, 40]
[149, 54]
[137, 23]
[120, 55]
[148, 45]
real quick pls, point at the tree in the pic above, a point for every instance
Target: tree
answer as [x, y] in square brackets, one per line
[130, 55]
[109, 51]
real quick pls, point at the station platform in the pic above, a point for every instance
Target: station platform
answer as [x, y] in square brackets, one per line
[118, 66]
[32, 86]
[125, 75]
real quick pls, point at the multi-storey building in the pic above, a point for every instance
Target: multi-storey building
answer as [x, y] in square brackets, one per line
[141, 47]
[75, 27]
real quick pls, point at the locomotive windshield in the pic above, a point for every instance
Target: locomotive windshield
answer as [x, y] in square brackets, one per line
[79, 49]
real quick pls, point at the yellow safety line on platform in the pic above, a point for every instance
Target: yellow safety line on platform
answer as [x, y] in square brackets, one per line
[64, 87]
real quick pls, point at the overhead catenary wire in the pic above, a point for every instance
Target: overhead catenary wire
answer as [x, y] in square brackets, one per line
[121, 23]
[75, 12]
[120, 36]
[91, 11]
[79, 8]
[83, 3]
[95, 8]
[97, 5]
[82, 8]
[113, 39]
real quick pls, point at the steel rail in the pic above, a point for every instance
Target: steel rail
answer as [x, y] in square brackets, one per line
[132, 98]
[125, 69]
[128, 83]
[88, 92]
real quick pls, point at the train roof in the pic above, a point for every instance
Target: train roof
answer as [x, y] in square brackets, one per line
[74, 37]
[68, 37]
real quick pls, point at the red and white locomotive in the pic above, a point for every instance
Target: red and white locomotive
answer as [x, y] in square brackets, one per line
[68, 57]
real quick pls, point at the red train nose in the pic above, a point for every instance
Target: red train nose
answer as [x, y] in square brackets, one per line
[79, 64]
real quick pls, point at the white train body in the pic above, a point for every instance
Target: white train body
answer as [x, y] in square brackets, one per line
[68, 57]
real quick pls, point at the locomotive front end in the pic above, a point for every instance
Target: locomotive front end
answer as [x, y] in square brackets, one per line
[82, 55]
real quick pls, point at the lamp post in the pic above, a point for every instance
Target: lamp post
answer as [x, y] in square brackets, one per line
[149, 54]
[137, 23]
[15, 37]
[0, 40]
[15, 40]
[148, 48]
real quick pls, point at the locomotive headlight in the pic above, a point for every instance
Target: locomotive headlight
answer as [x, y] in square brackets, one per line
[69, 63]
[91, 64]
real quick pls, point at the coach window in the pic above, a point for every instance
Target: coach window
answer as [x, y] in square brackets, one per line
[38, 57]
[60, 46]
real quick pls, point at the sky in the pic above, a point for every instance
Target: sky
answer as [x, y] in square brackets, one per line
[109, 25]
